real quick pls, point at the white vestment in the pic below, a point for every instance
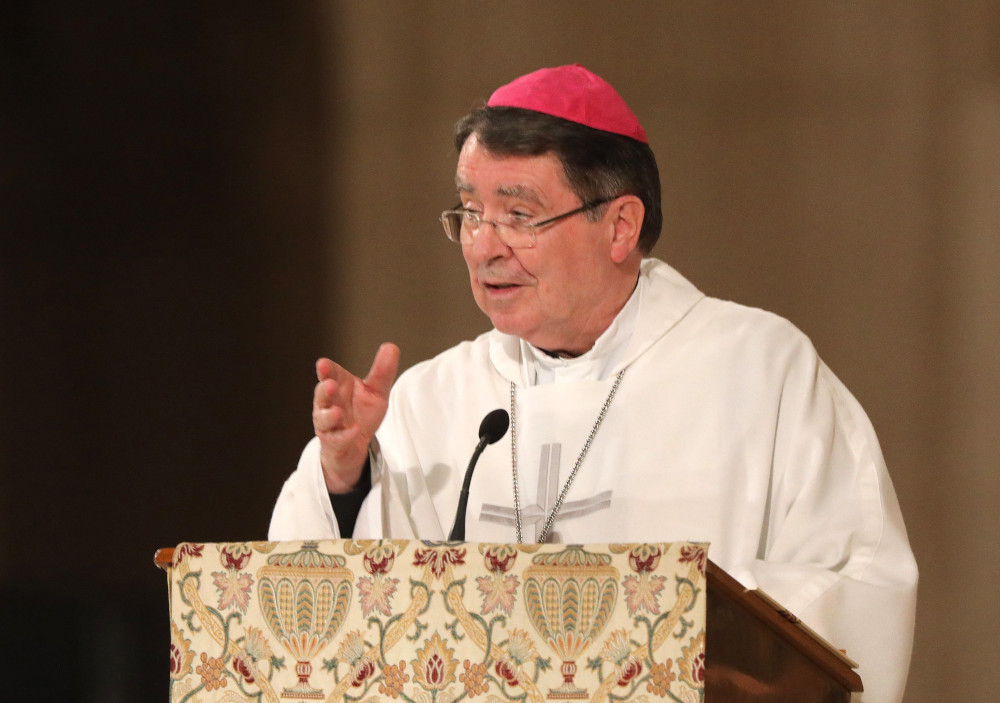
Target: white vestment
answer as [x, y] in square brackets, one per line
[727, 428]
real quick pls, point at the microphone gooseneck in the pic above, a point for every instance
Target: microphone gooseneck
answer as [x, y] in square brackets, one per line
[491, 429]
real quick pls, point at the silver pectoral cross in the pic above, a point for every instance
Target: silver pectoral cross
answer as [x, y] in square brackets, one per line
[545, 500]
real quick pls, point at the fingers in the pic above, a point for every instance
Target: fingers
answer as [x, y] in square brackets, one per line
[323, 367]
[327, 368]
[330, 395]
[324, 393]
[341, 399]
[327, 418]
[335, 384]
[383, 371]
[348, 411]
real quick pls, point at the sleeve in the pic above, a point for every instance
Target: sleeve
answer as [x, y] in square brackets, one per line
[835, 550]
[303, 509]
[346, 506]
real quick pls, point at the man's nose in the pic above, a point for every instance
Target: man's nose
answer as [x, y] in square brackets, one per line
[486, 242]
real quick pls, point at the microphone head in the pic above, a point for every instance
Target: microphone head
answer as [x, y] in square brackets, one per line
[494, 426]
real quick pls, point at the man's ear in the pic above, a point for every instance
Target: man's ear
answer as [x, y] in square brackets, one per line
[627, 213]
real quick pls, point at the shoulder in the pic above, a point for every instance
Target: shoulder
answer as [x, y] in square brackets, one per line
[452, 365]
[673, 304]
[761, 346]
[436, 396]
[750, 322]
[749, 332]
[713, 315]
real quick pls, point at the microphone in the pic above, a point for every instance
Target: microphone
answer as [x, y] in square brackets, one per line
[491, 429]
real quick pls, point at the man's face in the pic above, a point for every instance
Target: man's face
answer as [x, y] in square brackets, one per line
[554, 294]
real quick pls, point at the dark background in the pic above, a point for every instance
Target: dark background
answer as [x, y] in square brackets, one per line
[161, 167]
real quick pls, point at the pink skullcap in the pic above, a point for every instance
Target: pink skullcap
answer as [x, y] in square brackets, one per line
[575, 94]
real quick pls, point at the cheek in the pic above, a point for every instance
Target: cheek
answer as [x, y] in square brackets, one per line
[470, 264]
[568, 289]
[559, 279]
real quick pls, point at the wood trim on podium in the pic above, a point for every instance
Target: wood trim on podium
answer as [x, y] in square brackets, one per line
[831, 661]
[164, 558]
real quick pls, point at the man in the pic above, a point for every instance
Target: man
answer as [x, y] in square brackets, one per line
[641, 409]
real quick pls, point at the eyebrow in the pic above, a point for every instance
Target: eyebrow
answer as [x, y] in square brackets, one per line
[504, 191]
[520, 192]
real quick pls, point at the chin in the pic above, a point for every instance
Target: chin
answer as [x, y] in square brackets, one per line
[509, 325]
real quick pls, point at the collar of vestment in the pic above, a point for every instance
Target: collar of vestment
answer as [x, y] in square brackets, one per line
[662, 297]
[540, 367]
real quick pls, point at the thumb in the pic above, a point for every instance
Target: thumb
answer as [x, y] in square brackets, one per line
[383, 371]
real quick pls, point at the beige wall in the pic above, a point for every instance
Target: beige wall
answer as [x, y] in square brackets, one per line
[837, 163]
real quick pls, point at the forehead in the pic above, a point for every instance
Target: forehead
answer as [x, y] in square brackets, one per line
[483, 173]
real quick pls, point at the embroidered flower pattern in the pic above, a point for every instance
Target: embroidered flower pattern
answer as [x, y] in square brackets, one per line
[256, 645]
[618, 649]
[376, 590]
[498, 592]
[362, 671]
[506, 672]
[235, 556]
[180, 654]
[642, 593]
[442, 664]
[187, 549]
[499, 558]
[234, 589]
[696, 555]
[352, 648]
[352, 652]
[243, 666]
[255, 649]
[438, 558]
[644, 558]
[376, 594]
[630, 669]
[692, 663]
[379, 558]
[434, 667]
[520, 647]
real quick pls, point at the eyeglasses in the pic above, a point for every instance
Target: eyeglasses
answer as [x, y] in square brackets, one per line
[461, 226]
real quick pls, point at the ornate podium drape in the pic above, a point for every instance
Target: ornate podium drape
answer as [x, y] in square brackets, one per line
[419, 621]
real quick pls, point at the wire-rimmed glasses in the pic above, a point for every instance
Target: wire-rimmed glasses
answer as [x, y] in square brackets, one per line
[461, 225]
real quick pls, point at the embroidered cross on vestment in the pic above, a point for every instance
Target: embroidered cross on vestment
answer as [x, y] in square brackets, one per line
[548, 490]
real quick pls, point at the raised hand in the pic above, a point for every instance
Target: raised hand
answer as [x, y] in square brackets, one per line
[346, 413]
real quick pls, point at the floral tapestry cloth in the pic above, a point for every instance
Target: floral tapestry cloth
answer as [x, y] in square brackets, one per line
[344, 620]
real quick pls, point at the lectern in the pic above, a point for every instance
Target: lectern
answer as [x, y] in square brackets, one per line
[385, 620]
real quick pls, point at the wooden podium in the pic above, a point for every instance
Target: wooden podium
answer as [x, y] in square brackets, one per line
[751, 650]
[756, 651]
